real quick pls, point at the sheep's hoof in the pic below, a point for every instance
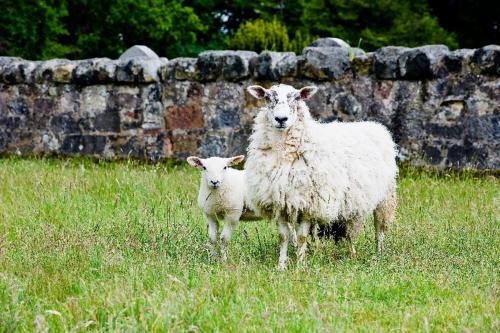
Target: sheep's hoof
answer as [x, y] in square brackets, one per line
[223, 255]
[212, 252]
[282, 266]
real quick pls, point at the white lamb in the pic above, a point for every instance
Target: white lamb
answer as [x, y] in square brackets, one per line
[304, 172]
[222, 196]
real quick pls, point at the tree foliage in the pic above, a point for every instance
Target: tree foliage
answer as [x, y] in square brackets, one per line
[33, 29]
[95, 28]
[377, 22]
[476, 22]
[260, 35]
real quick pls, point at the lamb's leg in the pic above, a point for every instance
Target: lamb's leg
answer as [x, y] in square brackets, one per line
[284, 234]
[302, 233]
[213, 230]
[230, 222]
[383, 216]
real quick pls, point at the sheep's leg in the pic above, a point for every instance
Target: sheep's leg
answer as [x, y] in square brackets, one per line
[383, 216]
[293, 234]
[284, 234]
[302, 233]
[230, 222]
[352, 228]
[315, 233]
[350, 246]
[213, 230]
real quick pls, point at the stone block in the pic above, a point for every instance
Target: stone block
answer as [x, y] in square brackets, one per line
[420, 63]
[224, 105]
[236, 65]
[125, 146]
[209, 64]
[232, 65]
[16, 70]
[55, 70]
[325, 63]
[126, 103]
[329, 42]
[138, 51]
[179, 69]
[453, 62]
[213, 143]
[155, 147]
[95, 71]
[347, 104]
[139, 70]
[180, 144]
[64, 123]
[83, 145]
[488, 59]
[385, 62]
[288, 65]
[183, 109]
[362, 64]
[271, 65]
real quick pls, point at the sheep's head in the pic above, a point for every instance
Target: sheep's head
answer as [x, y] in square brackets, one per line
[283, 102]
[214, 169]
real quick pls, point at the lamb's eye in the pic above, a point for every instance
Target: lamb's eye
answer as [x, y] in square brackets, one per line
[270, 99]
[225, 167]
[204, 168]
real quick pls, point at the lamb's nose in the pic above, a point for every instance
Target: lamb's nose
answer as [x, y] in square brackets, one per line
[281, 120]
[215, 182]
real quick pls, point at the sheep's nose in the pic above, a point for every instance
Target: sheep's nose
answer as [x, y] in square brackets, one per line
[281, 120]
[215, 182]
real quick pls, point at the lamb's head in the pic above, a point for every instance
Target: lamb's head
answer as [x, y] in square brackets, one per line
[214, 169]
[283, 103]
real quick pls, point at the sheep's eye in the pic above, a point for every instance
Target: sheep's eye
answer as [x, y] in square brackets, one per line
[204, 168]
[225, 167]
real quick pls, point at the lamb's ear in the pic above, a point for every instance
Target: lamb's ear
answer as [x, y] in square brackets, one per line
[307, 92]
[236, 160]
[195, 161]
[257, 91]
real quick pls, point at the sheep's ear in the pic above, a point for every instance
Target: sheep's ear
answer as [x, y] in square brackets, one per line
[236, 160]
[257, 91]
[307, 92]
[195, 161]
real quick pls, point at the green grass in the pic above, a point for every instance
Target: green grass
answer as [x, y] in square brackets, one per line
[122, 246]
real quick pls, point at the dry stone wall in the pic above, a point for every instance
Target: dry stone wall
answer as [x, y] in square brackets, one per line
[442, 106]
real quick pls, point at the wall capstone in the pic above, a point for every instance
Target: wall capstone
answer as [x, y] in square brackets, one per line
[325, 63]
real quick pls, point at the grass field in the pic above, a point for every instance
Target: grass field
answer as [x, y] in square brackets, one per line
[122, 246]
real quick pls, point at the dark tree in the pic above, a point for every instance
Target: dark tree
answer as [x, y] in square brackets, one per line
[475, 22]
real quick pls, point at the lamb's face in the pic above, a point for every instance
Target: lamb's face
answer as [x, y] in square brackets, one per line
[282, 102]
[214, 169]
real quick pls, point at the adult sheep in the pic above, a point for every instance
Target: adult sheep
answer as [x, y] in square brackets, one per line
[304, 172]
